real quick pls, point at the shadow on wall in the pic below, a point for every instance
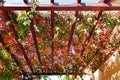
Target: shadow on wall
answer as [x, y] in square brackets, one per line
[112, 70]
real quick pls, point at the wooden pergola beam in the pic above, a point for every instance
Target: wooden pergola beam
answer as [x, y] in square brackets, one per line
[106, 1]
[93, 28]
[6, 14]
[73, 28]
[21, 48]
[72, 32]
[26, 1]
[62, 7]
[107, 57]
[35, 40]
[56, 73]
[78, 1]
[91, 33]
[12, 55]
[52, 1]
[52, 34]
[97, 52]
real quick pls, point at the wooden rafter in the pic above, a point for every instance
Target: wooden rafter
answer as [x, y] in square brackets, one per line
[97, 52]
[90, 35]
[78, 1]
[12, 55]
[107, 57]
[21, 48]
[52, 33]
[91, 32]
[52, 1]
[106, 1]
[35, 41]
[94, 26]
[26, 1]
[6, 16]
[73, 28]
[72, 32]
[67, 7]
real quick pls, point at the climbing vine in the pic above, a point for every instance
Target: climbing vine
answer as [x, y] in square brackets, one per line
[103, 41]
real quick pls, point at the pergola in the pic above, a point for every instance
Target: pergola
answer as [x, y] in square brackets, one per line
[7, 8]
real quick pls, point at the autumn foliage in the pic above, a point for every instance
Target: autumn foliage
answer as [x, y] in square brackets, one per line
[84, 52]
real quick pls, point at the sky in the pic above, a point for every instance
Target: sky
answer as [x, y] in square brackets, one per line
[60, 1]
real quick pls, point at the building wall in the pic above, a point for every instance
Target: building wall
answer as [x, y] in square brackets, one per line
[112, 70]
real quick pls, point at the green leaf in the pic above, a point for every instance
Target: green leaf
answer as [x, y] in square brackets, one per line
[88, 28]
[110, 26]
[8, 76]
[58, 25]
[117, 44]
[56, 35]
[90, 56]
[66, 78]
[95, 37]
[80, 36]
[4, 54]
[24, 23]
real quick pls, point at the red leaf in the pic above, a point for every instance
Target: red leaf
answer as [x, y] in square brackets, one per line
[0, 46]
[1, 14]
[6, 39]
[2, 25]
[42, 21]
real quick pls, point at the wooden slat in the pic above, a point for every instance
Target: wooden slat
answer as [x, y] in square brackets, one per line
[12, 56]
[91, 32]
[26, 1]
[73, 28]
[93, 28]
[57, 73]
[97, 51]
[72, 32]
[110, 54]
[7, 18]
[52, 1]
[66, 7]
[78, 1]
[52, 34]
[35, 41]
[107, 57]
[106, 1]
[21, 48]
